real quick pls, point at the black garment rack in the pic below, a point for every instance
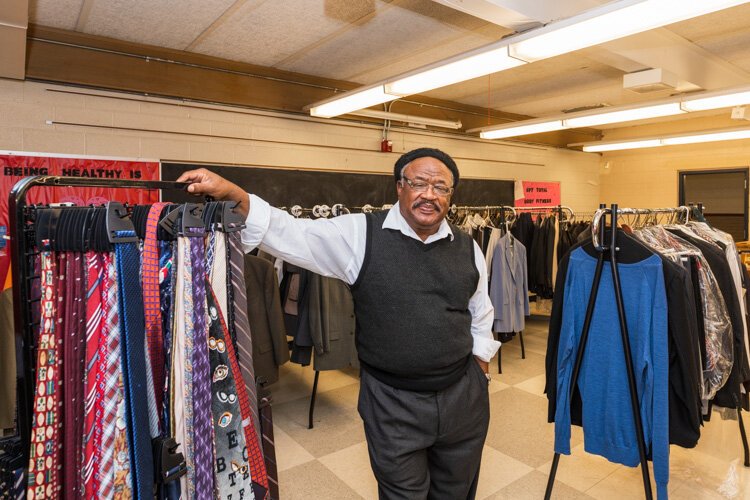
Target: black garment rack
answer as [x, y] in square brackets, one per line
[609, 251]
[22, 253]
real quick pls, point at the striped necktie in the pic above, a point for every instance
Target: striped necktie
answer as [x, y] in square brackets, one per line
[130, 306]
[240, 323]
[202, 419]
[95, 356]
[44, 456]
[74, 347]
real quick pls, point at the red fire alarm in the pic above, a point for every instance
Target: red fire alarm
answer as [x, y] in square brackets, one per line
[386, 146]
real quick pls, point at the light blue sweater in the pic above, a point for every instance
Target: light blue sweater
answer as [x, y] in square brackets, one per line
[608, 426]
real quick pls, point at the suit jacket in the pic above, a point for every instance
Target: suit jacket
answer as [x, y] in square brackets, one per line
[509, 288]
[332, 323]
[270, 349]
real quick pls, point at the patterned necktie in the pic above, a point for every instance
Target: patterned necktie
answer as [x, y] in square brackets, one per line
[95, 356]
[130, 306]
[240, 323]
[44, 457]
[254, 449]
[202, 420]
[114, 464]
[151, 302]
[182, 363]
[232, 470]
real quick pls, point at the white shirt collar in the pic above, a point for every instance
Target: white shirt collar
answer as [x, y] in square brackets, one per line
[394, 220]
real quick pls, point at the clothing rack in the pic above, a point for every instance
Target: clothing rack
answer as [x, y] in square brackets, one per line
[560, 210]
[598, 233]
[22, 233]
[608, 250]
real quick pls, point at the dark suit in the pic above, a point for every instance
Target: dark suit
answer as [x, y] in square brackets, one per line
[270, 349]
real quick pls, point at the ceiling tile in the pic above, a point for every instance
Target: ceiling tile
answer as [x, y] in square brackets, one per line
[394, 34]
[61, 14]
[272, 31]
[166, 23]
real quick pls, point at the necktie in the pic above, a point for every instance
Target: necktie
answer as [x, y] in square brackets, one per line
[73, 367]
[171, 490]
[44, 458]
[203, 440]
[114, 462]
[95, 354]
[232, 470]
[240, 323]
[130, 306]
[182, 364]
[151, 302]
[254, 450]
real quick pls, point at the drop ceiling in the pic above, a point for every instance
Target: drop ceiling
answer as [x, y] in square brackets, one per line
[364, 41]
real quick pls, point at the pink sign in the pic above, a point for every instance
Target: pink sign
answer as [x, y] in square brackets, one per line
[537, 194]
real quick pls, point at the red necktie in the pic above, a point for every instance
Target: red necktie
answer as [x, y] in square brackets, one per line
[95, 354]
[44, 458]
[152, 302]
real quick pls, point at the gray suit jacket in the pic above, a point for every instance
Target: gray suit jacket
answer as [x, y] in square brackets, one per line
[509, 285]
[270, 349]
[332, 323]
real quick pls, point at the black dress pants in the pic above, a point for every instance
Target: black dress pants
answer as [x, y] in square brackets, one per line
[426, 445]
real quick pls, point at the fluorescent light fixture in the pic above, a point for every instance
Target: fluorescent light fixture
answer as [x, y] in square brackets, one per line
[519, 128]
[601, 24]
[732, 134]
[615, 146]
[624, 115]
[716, 100]
[459, 69]
[609, 22]
[421, 120]
[351, 101]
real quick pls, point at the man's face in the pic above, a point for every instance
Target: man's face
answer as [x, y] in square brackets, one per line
[424, 211]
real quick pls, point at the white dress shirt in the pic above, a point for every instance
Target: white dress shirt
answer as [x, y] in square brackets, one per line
[336, 248]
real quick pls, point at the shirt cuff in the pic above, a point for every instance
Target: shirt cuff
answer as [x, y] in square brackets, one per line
[256, 224]
[485, 348]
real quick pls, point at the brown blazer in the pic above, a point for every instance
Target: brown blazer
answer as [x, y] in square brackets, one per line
[270, 349]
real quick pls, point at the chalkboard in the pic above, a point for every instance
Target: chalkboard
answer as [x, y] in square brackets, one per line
[308, 188]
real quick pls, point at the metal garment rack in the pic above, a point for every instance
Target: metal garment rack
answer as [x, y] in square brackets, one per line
[598, 238]
[22, 253]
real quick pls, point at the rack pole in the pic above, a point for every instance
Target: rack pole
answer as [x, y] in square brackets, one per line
[624, 335]
[581, 349]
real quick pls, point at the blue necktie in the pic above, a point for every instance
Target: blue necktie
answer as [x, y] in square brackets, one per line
[130, 304]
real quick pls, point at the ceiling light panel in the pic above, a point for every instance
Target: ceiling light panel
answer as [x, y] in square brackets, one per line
[529, 128]
[717, 101]
[616, 146]
[351, 101]
[625, 115]
[609, 22]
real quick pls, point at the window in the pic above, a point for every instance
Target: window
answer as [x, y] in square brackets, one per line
[724, 196]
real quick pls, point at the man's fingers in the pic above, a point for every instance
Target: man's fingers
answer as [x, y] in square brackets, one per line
[191, 176]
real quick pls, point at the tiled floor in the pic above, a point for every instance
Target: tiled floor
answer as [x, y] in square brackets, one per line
[330, 461]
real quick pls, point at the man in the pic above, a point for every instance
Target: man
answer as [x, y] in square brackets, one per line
[424, 320]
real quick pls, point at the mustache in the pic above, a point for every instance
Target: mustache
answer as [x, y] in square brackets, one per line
[425, 202]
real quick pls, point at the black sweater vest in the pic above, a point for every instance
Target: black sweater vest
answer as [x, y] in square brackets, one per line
[412, 306]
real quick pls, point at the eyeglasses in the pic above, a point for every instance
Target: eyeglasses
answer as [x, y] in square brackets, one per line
[422, 187]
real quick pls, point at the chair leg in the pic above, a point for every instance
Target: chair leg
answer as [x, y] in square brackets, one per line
[312, 400]
[500, 360]
[523, 349]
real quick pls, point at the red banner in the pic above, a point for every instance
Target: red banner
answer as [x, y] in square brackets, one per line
[537, 194]
[16, 167]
